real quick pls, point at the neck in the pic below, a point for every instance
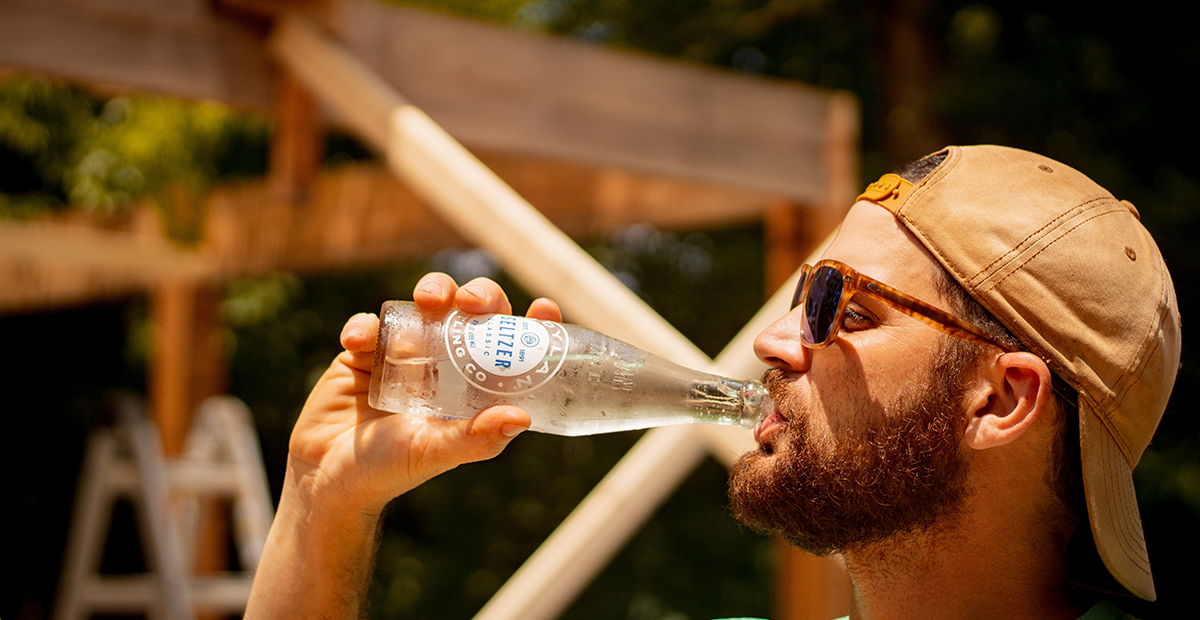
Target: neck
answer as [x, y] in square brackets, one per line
[980, 565]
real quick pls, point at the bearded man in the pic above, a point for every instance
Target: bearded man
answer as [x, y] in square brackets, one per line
[961, 391]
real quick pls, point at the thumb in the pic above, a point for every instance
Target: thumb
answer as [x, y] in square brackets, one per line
[493, 428]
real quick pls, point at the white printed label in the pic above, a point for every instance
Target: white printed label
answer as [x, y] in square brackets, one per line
[505, 354]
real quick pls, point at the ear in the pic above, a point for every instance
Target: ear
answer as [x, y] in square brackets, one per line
[1015, 391]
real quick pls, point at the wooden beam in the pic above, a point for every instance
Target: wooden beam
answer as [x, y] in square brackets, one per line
[842, 143]
[68, 261]
[148, 256]
[355, 215]
[174, 47]
[502, 89]
[493, 88]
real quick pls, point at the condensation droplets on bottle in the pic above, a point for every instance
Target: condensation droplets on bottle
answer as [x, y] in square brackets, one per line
[572, 380]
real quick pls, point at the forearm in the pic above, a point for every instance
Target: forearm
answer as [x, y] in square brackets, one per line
[318, 558]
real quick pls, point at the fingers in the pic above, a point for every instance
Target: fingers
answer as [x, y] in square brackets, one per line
[545, 310]
[435, 291]
[493, 428]
[483, 296]
[360, 333]
[438, 291]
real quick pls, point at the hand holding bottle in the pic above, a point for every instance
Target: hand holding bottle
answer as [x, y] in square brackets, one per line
[376, 455]
[347, 460]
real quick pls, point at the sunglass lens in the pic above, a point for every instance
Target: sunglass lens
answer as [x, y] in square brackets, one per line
[799, 290]
[824, 294]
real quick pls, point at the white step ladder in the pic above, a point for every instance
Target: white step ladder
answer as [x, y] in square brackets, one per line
[221, 458]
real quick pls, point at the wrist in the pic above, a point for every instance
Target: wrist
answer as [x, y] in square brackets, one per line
[319, 553]
[311, 491]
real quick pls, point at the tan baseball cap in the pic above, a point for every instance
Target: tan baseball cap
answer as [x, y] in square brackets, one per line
[1073, 274]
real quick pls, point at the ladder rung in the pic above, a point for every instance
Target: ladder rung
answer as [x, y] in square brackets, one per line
[211, 478]
[220, 592]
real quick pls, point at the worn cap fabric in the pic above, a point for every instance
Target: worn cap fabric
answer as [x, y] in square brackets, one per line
[1073, 274]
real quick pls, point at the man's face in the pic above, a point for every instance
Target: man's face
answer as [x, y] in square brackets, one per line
[864, 443]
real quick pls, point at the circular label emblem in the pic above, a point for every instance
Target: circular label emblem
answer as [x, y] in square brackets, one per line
[505, 354]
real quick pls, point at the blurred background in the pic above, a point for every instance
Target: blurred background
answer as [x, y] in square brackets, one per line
[1103, 91]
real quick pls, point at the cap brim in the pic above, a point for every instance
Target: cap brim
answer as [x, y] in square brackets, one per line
[1112, 506]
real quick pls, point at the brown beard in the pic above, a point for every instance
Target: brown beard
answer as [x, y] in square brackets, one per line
[902, 474]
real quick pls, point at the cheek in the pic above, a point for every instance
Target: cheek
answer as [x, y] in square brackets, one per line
[841, 388]
[889, 364]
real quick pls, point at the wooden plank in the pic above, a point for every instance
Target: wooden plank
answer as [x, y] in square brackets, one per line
[174, 308]
[498, 88]
[29, 286]
[492, 87]
[610, 514]
[188, 364]
[149, 256]
[842, 138]
[58, 262]
[175, 47]
[355, 215]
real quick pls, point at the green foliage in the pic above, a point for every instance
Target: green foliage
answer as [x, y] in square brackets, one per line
[135, 150]
[40, 127]
[500, 11]
[67, 148]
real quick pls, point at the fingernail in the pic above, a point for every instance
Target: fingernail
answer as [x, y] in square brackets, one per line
[511, 430]
[476, 290]
[431, 287]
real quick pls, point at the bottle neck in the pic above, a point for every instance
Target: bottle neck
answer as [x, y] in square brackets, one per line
[718, 400]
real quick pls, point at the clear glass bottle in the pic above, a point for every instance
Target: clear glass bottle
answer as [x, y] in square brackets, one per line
[572, 380]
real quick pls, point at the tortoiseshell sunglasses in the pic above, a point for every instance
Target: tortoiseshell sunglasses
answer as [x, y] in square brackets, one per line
[826, 288]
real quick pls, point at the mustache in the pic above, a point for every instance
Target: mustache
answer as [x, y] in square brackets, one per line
[774, 379]
[779, 388]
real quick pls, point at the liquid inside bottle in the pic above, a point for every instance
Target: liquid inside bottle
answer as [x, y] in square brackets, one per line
[571, 380]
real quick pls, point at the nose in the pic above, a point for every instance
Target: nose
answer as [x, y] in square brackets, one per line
[779, 345]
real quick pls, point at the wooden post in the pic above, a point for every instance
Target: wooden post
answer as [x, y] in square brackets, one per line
[189, 357]
[173, 306]
[296, 147]
[808, 587]
[841, 158]
[789, 236]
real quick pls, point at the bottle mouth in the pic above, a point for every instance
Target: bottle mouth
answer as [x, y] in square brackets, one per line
[755, 403]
